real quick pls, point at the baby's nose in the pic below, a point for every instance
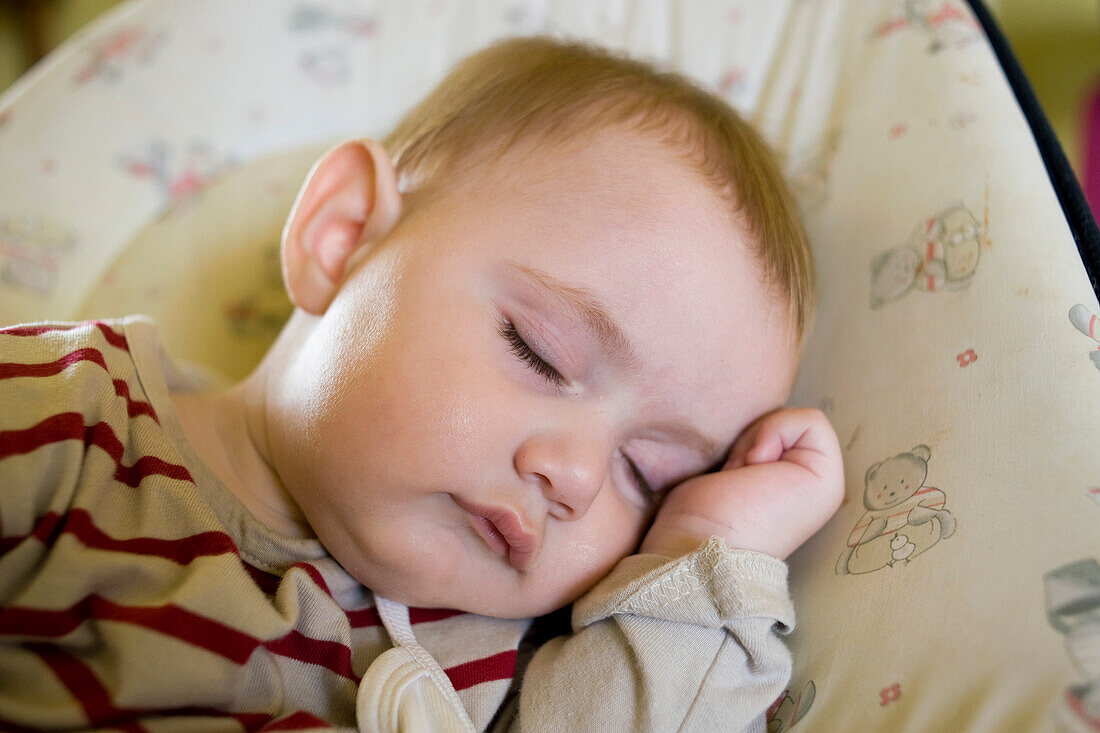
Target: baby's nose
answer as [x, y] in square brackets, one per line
[570, 467]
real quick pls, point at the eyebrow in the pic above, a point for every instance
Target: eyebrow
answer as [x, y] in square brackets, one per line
[586, 306]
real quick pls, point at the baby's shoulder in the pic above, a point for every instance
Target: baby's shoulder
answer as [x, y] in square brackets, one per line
[72, 404]
[50, 369]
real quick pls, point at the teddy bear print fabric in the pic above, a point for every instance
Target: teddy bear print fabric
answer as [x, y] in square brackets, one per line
[963, 397]
[904, 516]
[941, 253]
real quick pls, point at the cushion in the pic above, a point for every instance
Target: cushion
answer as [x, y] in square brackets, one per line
[149, 163]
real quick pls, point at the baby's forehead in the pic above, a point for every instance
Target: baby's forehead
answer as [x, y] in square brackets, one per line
[600, 161]
[609, 183]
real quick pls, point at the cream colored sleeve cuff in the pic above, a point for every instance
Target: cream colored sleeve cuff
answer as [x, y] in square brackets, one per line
[708, 587]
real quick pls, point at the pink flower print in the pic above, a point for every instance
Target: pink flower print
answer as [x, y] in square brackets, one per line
[967, 357]
[176, 181]
[890, 694]
[141, 169]
[961, 120]
[123, 47]
[890, 26]
[186, 184]
[731, 80]
[121, 43]
[948, 13]
[364, 27]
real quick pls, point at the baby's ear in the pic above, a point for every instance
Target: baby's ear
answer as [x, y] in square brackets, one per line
[349, 201]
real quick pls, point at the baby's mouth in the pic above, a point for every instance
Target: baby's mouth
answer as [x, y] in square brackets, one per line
[503, 531]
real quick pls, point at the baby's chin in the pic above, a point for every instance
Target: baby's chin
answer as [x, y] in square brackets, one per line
[446, 576]
[499, 601]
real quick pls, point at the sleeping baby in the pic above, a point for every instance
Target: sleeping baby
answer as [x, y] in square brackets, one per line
[543, 337]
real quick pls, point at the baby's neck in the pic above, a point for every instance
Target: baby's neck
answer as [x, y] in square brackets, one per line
[226, 432]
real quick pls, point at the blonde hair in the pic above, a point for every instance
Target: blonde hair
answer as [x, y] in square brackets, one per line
[557, 91]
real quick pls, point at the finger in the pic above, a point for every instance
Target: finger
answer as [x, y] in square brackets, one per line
[807, 439]
[744, 443]
[737, 454]
[768, 447]
[800, 428]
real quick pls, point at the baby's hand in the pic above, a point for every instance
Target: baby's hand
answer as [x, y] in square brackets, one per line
[783, 480]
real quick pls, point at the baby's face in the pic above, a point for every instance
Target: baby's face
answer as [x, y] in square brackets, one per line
[489, 412]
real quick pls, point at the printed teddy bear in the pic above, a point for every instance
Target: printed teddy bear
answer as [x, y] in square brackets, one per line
[1088, 324]
[945, 25]
[1073, 608]
[942, 254]
[31, 254]
[786, 711]
[892, 275]
[903, 519]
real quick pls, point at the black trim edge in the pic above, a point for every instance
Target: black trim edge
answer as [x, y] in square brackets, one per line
[1074, 205]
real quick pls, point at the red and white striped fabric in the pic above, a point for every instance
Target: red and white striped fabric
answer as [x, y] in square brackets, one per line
[137, 593]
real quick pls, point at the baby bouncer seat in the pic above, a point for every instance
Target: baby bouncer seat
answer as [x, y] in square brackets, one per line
[148, 165]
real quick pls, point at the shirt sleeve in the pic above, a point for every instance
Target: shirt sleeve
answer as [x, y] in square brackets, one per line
[42, 439]
[691, 643]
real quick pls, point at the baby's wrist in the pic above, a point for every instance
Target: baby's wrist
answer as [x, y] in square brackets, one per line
[671, 544]
[683, 534]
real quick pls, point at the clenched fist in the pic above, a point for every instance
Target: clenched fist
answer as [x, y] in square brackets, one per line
[783, 480]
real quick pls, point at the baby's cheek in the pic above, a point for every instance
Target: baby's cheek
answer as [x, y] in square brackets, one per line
[584, 554]
[564, 582]
[574, 561]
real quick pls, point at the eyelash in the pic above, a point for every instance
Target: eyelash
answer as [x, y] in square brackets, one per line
[640, 481]
[526, 354]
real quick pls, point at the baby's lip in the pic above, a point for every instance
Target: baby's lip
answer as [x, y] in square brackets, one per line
[503, 530]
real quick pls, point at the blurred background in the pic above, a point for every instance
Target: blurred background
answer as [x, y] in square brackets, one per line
[1056, 41]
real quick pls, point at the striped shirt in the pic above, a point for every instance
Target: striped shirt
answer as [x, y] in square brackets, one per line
[137, 593]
